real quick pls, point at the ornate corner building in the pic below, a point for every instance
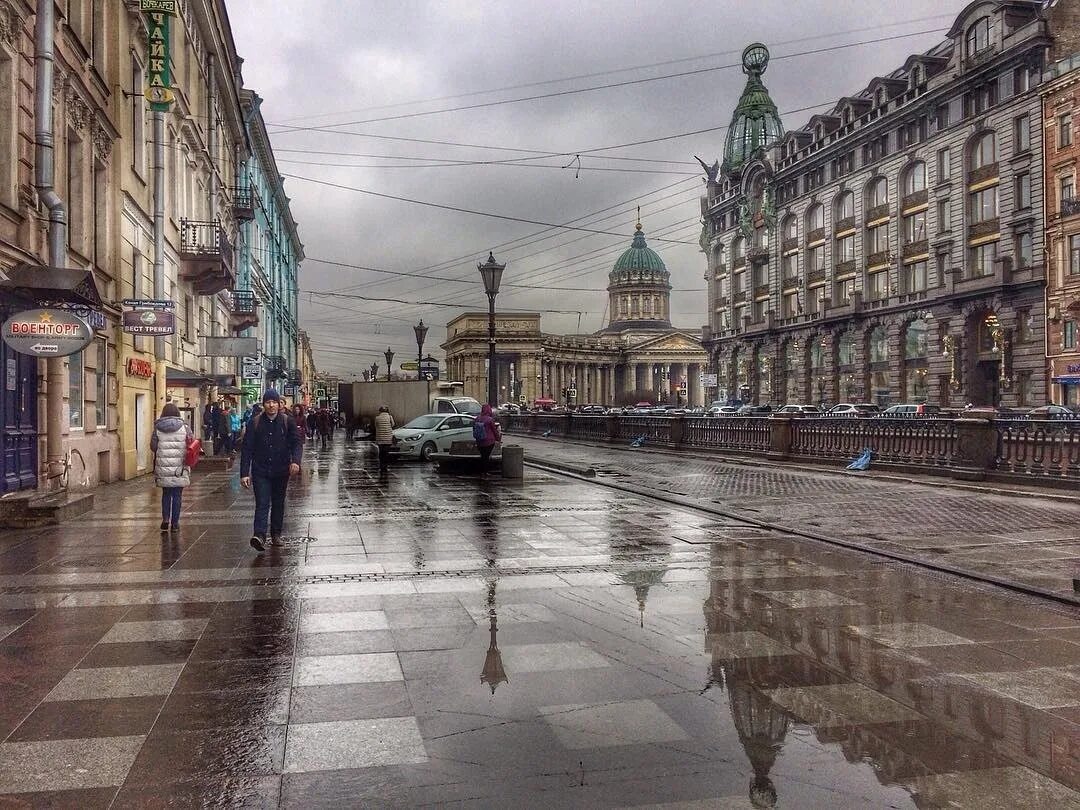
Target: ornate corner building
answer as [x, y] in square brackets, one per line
[1061, 113]
[892, 248]
[638, 356]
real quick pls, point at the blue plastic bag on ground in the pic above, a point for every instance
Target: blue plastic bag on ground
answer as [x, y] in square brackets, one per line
[863, 461]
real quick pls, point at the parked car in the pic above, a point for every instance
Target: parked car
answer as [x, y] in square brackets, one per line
[592, 408]
[860, 409]
[509, 407]
[722, 410]
[755, 410]
[801, 410]
[1052, 412]
[433, 432]
[910, 411]
[698, 411]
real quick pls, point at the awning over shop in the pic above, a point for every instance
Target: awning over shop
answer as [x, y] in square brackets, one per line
[182, 378]
[50, 285]
[1071, 379]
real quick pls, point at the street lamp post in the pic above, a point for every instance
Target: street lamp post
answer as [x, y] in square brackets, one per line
[491, 272]
[389, 355]
[421, 332]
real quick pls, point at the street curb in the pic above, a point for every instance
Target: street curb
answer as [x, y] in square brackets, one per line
[875, 475]
[687, 503]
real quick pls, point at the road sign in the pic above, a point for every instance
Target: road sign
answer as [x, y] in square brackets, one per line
[230, 347]
[250, 368]
[708, 380]
[522, 399]
[47, 333]
[572, 393]
[411, 365]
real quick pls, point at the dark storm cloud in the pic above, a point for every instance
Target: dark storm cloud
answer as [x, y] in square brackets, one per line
[314, 58]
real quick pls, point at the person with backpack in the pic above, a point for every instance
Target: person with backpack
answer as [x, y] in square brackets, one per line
[384, 435]
[487, 434]
[271, 453]
[171, 472]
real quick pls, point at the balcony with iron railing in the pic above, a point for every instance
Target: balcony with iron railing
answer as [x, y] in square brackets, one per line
[1070, 207]
[206, 256]
[245, 201]
[243, 310]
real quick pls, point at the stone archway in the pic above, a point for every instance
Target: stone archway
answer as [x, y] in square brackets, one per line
[983, 341]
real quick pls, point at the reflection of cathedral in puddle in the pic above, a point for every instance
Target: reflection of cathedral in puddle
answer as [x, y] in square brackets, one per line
[761, 724]
[639, 557]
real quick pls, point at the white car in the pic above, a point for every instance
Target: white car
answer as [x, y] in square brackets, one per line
[433, 432]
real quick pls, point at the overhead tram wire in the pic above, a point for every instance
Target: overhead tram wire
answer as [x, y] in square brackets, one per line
[428, 204]
[611, 72]
[464, 279]
[328, 152]
[608, 86]
[485, 163]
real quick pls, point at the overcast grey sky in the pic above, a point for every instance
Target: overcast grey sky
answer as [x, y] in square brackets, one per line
[320, 64]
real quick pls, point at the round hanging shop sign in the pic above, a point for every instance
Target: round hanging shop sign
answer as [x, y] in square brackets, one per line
[46, 333]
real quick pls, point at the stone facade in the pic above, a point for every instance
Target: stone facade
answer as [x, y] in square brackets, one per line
[601, 368]
[1061, 113]
[638, 356]
[891, 250]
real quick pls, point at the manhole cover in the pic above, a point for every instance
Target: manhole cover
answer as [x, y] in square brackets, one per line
[299, 540]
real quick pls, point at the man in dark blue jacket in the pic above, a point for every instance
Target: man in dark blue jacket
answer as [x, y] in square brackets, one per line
[271, 453]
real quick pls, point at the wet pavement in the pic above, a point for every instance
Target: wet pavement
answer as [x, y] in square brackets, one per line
[422, 639]
[1031, 538]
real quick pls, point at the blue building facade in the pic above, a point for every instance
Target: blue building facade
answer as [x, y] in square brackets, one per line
[270, 253]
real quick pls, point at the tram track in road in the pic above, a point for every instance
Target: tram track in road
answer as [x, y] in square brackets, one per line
[595, 474]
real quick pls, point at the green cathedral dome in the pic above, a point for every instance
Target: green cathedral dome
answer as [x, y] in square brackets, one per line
[638, 258]
[756, 122]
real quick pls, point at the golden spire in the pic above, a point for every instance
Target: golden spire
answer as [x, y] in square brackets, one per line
[639, 217]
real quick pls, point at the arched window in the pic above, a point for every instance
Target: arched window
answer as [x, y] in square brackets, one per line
[984, 151]
[815, 217]
[879, 97]
[845, 206]
[846, 349]
[877, 192]
[978, 36]
[819, 132]
[848, 116]
[915, 178]
[738, 249]
[792, 373]
[817, 354]
[916, 76]
[879, 345]
[791, 228]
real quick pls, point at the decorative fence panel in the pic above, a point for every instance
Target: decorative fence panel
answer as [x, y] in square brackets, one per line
[1038, 448]
[930, 442]
[751, 433]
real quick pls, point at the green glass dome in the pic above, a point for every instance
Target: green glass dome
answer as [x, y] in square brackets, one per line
[756, 122]
[638, 259]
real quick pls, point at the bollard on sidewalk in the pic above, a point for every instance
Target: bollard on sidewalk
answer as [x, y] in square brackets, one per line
[513, 461]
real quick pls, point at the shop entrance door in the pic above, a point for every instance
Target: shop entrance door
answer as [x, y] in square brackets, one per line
[18, 421]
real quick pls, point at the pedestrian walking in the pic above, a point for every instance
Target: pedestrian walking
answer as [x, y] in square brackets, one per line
[208, 422]
[487, 434]
[234, 428]
[384, 435]
[311, 424]
[170, 443]
[301, 420]
[324, 423]
[271, 453]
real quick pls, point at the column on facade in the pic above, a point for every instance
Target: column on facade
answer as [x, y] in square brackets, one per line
[610, 384]
[595, 395]
[693, 385]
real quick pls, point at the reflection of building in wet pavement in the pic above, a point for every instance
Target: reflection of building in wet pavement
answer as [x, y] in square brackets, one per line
[639, 554]
[783, 660]
[493, 673]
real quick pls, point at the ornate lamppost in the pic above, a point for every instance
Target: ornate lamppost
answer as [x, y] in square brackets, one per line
[389, 355]
[421, 332]
[491, 272]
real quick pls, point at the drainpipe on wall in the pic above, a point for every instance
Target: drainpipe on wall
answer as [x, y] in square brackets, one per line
[44, 182]
[212, 189]
[158, 119]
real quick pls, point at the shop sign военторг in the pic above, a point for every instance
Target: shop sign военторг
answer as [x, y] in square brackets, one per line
[47, 333]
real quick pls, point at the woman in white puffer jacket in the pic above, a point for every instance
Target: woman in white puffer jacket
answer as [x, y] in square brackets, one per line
[169, 443]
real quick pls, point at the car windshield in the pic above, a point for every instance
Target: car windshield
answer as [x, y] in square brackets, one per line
[469, 406]
[424, 422]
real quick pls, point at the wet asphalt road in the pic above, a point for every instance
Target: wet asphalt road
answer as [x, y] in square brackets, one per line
[421, 639]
